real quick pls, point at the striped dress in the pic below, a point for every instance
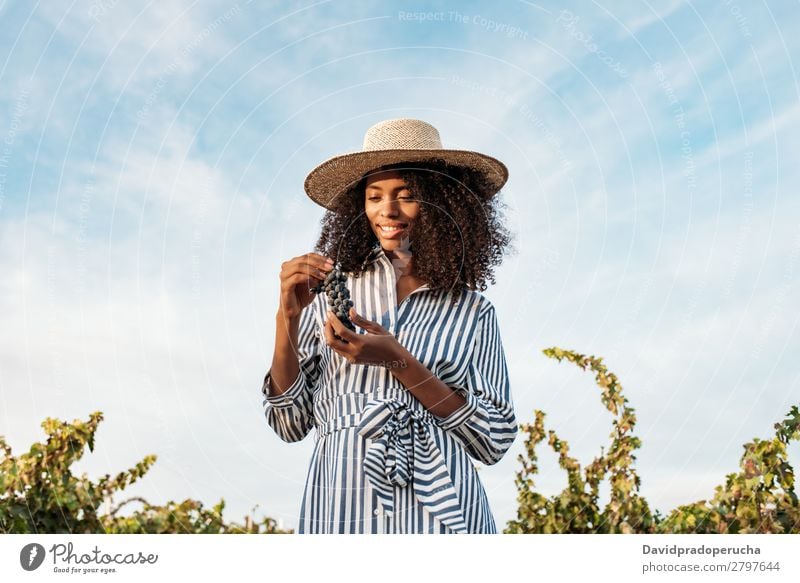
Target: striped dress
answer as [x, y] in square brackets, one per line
[381, 462]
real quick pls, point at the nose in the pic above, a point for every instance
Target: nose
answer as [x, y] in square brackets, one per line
[389, 209]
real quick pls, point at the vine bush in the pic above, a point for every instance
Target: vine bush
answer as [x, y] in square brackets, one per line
[760, 498]
[40, 494]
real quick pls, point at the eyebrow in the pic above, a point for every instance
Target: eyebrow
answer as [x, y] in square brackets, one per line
[375, 187]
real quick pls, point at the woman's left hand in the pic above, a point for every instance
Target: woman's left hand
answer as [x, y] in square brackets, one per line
[377, 347]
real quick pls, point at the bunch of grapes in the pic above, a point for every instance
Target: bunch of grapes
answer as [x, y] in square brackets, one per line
[335, 285]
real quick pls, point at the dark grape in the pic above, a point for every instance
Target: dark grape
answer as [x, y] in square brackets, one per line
[335, 286]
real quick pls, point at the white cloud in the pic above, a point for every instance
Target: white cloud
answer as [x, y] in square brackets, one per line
[145, 42]
[637, 23]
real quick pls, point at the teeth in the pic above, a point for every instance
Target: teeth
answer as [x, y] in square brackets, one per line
[391, 228]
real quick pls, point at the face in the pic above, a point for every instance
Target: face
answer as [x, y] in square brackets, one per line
[389, 203]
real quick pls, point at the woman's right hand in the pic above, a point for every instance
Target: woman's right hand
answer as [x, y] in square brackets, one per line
[298, 275]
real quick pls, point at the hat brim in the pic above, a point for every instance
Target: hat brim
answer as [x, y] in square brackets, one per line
[335, 176]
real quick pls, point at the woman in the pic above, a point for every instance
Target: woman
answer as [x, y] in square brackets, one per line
[403, 410]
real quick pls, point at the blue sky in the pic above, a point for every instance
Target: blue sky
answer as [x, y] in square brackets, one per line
[152, 158]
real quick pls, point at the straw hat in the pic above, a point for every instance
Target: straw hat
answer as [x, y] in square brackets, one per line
[389, 142]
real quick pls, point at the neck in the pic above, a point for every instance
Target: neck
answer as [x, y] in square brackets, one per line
[404, 248]
[402, 260]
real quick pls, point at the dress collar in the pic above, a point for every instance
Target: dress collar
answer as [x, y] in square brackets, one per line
[379, 254]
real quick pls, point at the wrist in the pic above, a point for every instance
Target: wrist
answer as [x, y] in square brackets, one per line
[401, 359]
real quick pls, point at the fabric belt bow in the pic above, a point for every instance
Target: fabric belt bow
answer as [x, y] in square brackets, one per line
[404, 452]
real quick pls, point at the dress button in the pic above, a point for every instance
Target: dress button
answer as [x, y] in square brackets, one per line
[376, 512]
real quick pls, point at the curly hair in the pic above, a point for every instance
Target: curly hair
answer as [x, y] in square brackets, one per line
[457, 239]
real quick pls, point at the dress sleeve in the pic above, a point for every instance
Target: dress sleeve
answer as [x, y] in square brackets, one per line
[291, 414]
[485, 424]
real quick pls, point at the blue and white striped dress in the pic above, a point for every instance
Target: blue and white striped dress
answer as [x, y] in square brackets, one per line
[382, 463]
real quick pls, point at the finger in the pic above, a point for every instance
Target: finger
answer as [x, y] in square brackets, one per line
[338, 345]
[298, 279]
[308, 277]
[358, 320]
[312, 271]
[340, 328]
[310, 263]
[363, 322]
[328, 331]
[318, 261]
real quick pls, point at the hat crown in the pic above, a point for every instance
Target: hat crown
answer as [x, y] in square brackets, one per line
[391, 142]
[402, 134]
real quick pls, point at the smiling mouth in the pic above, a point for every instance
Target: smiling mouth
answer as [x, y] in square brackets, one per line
[388, 230]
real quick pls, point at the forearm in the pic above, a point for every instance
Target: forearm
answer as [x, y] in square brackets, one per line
[285, 362]
[435, 395]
